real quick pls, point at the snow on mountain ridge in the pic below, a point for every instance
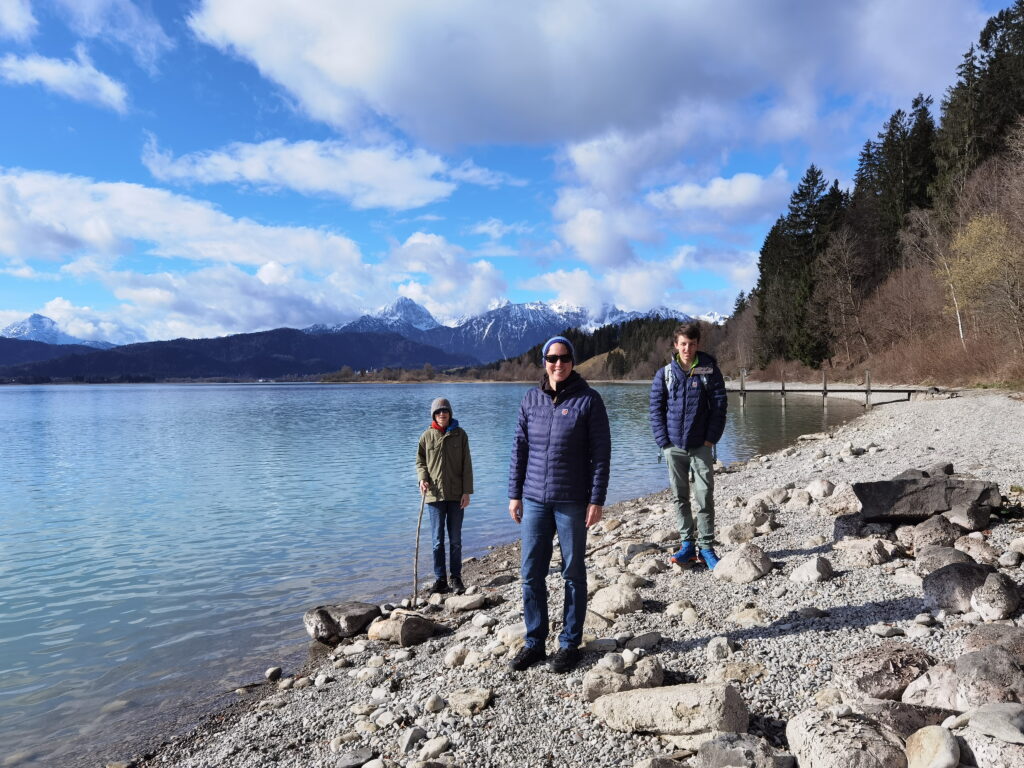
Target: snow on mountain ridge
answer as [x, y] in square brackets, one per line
[38, 327]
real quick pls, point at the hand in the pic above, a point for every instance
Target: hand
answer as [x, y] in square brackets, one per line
[708, 445]
[424, 486]
[464, 502]
[594, 512]
[515, 509]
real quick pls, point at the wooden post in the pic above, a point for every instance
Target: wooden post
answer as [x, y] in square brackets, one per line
[867, 389]
[743, 387]
[783, 390]
[824, 389]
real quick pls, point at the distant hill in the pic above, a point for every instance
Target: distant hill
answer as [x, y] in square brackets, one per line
[41, 328]
[265, 355]
[20, 351]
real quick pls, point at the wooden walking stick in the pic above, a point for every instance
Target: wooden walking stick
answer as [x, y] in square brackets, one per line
[416, 558]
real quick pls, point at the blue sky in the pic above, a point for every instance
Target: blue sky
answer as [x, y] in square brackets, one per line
[219, 166]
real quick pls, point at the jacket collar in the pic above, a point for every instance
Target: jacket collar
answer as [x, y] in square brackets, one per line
[561, 391]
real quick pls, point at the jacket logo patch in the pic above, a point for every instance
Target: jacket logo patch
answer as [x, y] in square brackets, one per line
[693, 383]
[565, 411]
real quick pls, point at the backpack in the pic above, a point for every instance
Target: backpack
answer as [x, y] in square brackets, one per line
[701, 370]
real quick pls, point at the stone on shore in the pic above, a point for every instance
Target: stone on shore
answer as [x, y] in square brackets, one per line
[863, 553]
[743, 565]
[616, 600]
[460, 603]
[930, 557]
[1003, 721]
[915, 499]
[601, 681]
[883, 671]
[469, 701]
[328, 624]
[403, 629]
[935, 688]
[932, 747]
[984, 677]
[687, 709]
[905, 719]
[998, 598]
[1009, 637]
[936, 532]
[950, 587]
[816, 569]
[820, 488]
[977, 748]
[735, 749]
[821, 740]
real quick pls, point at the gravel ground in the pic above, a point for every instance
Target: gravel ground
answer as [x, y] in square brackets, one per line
[538, 718]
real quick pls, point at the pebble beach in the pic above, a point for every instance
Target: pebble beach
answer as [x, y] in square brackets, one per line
[779, 643]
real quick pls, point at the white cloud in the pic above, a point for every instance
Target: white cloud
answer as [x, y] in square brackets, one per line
[383, 176]
[368, 177]
[78, 79]
[121, 22]
[16, 20]
[496, 229]
[540, 71]
[747, 194]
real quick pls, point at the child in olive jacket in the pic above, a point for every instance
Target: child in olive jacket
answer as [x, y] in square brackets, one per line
[445, 472]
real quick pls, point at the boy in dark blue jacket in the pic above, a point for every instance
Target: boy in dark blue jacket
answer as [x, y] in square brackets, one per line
[688, 405]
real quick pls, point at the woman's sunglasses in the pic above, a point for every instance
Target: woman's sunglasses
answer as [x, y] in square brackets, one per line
[558, 358]
[442, 410]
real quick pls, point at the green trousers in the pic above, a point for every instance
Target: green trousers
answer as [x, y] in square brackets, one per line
[686, 466]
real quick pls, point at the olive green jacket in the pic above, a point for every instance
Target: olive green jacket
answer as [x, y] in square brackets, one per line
[443, 459]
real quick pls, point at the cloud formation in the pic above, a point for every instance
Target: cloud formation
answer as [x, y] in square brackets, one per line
[77, 79]
[444, 73]
[120, 22]
[743, 194]
[16, 20]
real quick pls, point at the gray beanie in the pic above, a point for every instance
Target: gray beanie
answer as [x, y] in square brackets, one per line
[439, 402]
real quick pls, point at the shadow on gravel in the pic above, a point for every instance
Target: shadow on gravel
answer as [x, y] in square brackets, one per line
[780, 554]
[843, 617]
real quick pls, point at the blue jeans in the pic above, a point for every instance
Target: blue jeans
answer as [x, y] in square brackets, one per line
[446, 514]
[540, 522]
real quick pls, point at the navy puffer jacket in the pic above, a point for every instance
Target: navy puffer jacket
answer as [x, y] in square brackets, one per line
[693, 412]
[562, 447]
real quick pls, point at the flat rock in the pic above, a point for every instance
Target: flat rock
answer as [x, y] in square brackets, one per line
[979, 550]
[687, 709]
[404, 629]
[950, 587]
[1009, 637]
[735, 749]
[354, 759]
[883, 671]
[863, 553]
[1003, 721]
[935, 688]
[915, 499]
[459, 603]
[330, 623]
[932, 747]
[820, 740]
[977, 748]
[930, 557]
[469, 701]
[903, 718]
[816, 569]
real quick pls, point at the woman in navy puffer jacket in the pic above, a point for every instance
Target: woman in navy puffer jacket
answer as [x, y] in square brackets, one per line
[557, 480]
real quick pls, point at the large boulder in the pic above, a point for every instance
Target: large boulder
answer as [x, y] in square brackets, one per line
[936, 532]
[997, 598]
[1009, 637]
[403, 629]
[935, 688]
[915, 499]
[931, 557]
[330, 623]
[1003, 721]
[743, 565]
[601, 680]
[950, 587]
[883, 671]
[689, 709]
[977, 748]
[988, 676]
[616, 600]
[820, 740]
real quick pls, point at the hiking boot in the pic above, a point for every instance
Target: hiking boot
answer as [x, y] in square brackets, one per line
[709, 557]
[564, 660]
[685, 555]
[527, 657]
[440, 586]
[457, 585]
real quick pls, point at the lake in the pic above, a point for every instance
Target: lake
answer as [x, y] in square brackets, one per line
[159, 543]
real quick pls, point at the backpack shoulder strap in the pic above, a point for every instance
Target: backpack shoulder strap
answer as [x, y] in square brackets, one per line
[668, 377]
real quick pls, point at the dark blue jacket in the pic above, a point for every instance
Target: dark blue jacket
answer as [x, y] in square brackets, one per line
[562, 447]
[693, 412]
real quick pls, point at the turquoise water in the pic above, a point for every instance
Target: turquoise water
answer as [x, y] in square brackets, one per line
[159, 543]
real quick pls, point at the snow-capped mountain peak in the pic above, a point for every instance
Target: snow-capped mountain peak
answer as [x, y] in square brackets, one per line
[37, 327]
[405, 310]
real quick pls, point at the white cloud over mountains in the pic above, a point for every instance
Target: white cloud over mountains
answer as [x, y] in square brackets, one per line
[77, 79]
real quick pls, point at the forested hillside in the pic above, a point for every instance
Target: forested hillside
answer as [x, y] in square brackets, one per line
[917, 272]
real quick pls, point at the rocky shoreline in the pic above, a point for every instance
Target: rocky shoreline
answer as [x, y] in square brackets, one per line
[823, 641]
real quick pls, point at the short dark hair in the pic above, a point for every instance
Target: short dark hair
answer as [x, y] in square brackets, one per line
[689, 330]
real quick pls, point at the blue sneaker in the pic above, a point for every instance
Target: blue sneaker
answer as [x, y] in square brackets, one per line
[709, 557]
[685, 555]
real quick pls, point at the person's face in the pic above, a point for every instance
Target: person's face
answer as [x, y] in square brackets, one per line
[560, 369]
[687, 348]
[442, 416]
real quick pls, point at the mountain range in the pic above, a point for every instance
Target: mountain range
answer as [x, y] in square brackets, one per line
[43, 329]
[402, 334]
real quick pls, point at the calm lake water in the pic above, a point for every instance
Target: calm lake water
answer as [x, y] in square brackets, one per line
[159, 543]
